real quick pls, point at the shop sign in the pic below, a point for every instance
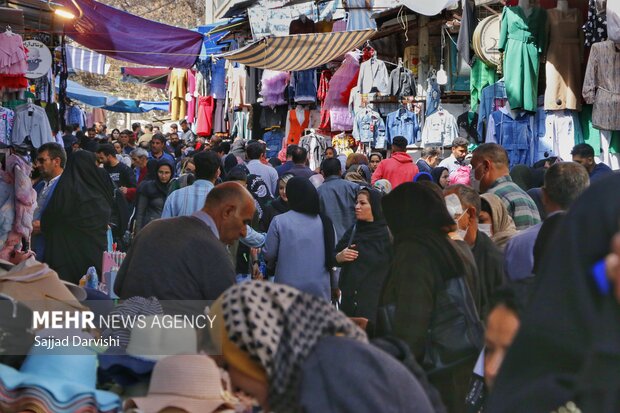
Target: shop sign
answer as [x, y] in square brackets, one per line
[39, 59]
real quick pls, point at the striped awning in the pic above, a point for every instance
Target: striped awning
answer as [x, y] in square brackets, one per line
[298, 51]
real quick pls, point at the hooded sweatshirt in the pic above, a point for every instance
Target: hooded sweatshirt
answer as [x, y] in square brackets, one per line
[397, 169]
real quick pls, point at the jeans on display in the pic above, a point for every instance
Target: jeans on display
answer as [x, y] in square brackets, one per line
[515, 135]
[433, 95]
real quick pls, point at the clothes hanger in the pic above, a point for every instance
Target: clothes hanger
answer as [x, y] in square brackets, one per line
[9, 31]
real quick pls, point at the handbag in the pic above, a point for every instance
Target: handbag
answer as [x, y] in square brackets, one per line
[455, 334]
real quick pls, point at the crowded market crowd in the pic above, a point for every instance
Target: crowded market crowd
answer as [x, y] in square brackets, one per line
[370, 284]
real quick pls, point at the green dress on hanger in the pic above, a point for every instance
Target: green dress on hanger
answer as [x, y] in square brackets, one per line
[522, 39]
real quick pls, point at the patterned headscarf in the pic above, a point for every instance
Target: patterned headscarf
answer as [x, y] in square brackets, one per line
[279, 326]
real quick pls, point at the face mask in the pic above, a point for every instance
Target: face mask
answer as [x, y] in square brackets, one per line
[475, 183]
[485, 229]
[453, 204]
[461, 232]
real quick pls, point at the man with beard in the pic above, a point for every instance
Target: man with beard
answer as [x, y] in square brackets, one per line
[121, 174]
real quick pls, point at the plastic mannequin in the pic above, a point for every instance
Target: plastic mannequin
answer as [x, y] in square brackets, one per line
[525, 6]
[562, 5]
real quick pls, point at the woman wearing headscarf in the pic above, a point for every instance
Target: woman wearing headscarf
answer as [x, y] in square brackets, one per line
[566, 355]
[494, 212]
[359, 174]
[152, 195]
[426, 261]
[356, 159]
[77, 217]
[441, 176]
[374, 161]
[364, 253]
[294, 353]
[300, 243]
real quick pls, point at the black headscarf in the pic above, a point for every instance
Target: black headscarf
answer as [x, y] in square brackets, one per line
[152, 165]
[260, 192]
[569, 332]
[436, 174]
[522, 176]
[163, 187]
[414, 212]
[303, 198]
[367, 231]
[76, 218]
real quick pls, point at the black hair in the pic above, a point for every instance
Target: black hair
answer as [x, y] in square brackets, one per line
[300, 155]
[331, 167]
[107, 149]
[508, 297]
[159, 137]
[135, 126]
[290, 149]
[583, 150]
[207, 164]
[54, 151]
[254, 150]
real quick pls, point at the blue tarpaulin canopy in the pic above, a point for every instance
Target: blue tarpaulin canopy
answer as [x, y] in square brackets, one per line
[105, 101]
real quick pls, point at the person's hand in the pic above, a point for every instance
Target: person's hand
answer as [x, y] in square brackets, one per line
[347, 255]
[335, 294]
[36, 227]
[123, 190]
[612, 263]
[360, 322]
[17, 257]
[256, 274]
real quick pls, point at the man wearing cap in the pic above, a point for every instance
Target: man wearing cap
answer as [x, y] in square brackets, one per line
[399, 168]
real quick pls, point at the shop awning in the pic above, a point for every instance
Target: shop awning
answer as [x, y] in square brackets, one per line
[127, 37]
[105, 101]
[156, 77]
[298, 52]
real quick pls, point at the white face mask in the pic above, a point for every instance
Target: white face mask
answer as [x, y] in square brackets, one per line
[461, 232]
[486, 229]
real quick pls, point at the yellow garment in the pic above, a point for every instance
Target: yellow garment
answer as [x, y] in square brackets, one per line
[233, 355]
[178, 90]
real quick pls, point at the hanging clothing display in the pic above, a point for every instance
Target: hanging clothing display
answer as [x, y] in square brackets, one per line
[13, 63]
[74, 115]
[192, 102]
[240, 128]
[302, 25]
[492, 98]
[402, 123]
[296, 127]
[30, 124]
[480, 77]
[433, 95]
[177, 92]
[336, 114]
[373, 74]
[304, 86]
[514, 134]
[323, 88]
[273, 140]
[592, 136]
[360, 15]
[218, 79]
[274, 84]
[522, 39]
[466, 31]
[369, 128]
[595, 29]
[237, 80]
[204, 123]
[440, 129]
[324, 26]
[402, 82]
[601, 85]
[219, 116]
[563, 67]
[315, 145]
[563, 130]
[6, 125]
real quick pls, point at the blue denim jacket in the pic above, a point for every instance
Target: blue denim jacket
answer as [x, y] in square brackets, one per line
[433, 96]
[218, 79]
[305, 86]
[515, 135]
[402, 123]
[273, 139]
[369, 127]
[487, 103]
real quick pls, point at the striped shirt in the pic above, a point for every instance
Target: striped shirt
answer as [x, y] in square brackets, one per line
[520, 206]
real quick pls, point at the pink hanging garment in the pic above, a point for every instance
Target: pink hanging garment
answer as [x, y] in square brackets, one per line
[191, 89]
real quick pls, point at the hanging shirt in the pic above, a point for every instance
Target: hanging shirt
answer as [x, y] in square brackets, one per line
[236, 86]
[440, 129]
[360, 15]
[369, 127]
[492, 98]
[6, 125]
[31, 122]
[304, 86]
[402, 82]
[402, 123]
[514, 134]
[373, 74]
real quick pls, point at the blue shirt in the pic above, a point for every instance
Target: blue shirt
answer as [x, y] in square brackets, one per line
[600, 171]
[402, 123]
[186, 201]
[519, 254]
[165, 156]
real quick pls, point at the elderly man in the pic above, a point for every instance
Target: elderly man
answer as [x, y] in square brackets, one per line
[490, 173]
[163, 261]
